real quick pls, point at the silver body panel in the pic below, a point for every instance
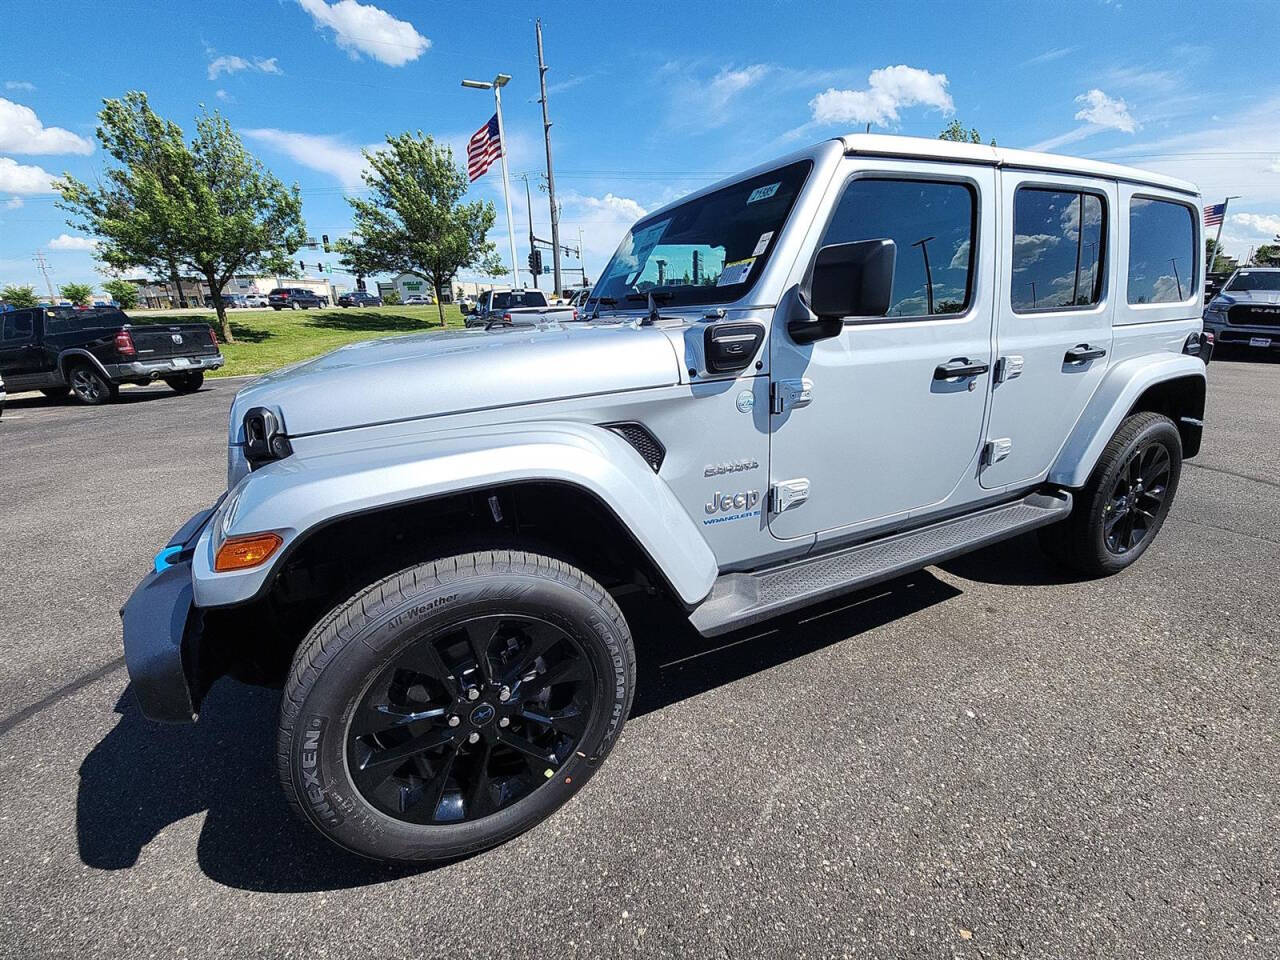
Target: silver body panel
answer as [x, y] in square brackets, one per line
[866, 442]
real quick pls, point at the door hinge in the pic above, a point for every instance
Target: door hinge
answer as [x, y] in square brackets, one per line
[787, 395]
[1008, 367]
[786, 494]
[997, 450]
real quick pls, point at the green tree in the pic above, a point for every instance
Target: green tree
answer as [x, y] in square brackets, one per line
[80, 294]
[1221, 262]
[415, 220]
[955, 131]
[209, 206]
[1267, 255]
[19, 297]
[391, 298]
[122, 292]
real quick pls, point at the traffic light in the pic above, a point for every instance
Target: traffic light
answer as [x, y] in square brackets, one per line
[535, 260]
[324, 239]
[319, 268]
[302, 266]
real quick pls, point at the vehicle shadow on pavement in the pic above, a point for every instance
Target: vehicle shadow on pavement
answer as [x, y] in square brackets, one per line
[143, 777]
[1017, 562]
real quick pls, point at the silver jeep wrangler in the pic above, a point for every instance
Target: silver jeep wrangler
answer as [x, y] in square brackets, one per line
[869, 356]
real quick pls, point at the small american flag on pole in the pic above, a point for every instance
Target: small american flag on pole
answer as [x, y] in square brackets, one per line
[484, 147]
[1213, 214]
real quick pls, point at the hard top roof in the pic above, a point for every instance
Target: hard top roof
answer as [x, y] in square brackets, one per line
[877, 144]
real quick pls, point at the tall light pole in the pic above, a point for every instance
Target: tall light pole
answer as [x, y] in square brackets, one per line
[496, 85]
[551, 177]
[923, 244]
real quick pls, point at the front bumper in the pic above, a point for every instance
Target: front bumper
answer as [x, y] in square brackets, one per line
[154, 369]
[162, 628]
[1241, 335]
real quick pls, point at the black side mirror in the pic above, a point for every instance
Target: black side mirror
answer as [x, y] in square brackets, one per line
[849, 280]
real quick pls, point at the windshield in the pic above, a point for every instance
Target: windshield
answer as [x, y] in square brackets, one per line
[1255, 280]
[707, 250]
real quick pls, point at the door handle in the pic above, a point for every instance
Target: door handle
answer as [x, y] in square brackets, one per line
[958, 369]
[1083, 353]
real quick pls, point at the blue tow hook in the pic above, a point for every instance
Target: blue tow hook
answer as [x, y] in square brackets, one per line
[164, 559]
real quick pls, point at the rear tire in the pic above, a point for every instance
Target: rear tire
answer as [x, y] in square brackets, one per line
[186, 383]
[90, 386]
[454, 705]
[1123, 506]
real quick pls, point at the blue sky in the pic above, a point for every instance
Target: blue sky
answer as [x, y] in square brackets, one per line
[649, 100]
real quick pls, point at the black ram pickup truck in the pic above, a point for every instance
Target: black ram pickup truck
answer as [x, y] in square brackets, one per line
[57, 350]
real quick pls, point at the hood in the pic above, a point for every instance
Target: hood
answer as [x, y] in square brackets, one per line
[434, 374]
[1260, 297]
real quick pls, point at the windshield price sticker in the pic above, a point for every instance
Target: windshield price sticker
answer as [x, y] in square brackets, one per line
[762, 244]
[764, 193]
[735, 272]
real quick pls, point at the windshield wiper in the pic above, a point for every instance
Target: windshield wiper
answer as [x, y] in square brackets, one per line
[599, 300]
[662, 295]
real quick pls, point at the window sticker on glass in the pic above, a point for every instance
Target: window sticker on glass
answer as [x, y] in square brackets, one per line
[763, 193]
[735, 272]
[762, 244]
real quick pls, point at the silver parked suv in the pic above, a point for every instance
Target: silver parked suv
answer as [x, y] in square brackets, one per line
[866, 357]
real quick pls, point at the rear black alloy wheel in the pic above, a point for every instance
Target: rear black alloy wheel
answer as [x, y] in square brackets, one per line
[467, 722]
[1137, 498]
[186, 382]
[454, 705]
[91, 387]
[1120, 510]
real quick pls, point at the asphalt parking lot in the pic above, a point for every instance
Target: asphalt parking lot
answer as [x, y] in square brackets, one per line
[981, 760]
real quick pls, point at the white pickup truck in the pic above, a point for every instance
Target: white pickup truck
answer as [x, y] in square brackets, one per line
[508, 307]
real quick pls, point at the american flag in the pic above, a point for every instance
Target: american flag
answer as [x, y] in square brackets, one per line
[484, 147]
[1213, 214]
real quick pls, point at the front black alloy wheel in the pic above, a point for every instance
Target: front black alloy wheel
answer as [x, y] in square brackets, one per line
[454, 705]
[467, 722]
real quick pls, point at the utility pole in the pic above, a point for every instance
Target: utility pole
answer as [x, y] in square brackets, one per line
[551, 177]
[528, 205]
[44, 268]
[582, 258]
[923, 244]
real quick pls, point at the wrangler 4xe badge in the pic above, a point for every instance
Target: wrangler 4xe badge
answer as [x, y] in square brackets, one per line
[732, 506]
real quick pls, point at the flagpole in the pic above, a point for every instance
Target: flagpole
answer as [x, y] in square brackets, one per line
[498, 82]
[1217, 240]
[506, 186]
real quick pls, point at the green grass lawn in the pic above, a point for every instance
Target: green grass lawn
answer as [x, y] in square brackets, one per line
[267, 339]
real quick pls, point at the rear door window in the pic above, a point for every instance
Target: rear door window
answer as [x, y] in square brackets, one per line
[1162, 251]
[1057, 249]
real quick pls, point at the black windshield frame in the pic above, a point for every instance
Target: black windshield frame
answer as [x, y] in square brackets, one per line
[743, 235]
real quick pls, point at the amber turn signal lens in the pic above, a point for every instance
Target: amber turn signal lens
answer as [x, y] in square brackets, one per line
[241, 553]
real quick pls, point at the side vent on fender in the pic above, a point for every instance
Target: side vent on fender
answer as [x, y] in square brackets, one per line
[646, 444]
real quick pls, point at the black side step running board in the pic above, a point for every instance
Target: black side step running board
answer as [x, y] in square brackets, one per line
[740, 599]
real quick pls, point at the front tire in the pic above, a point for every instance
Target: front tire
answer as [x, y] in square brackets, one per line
[454, 705]
[90, 386]
[1122, 508]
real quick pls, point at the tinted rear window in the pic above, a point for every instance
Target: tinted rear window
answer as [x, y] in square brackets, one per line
[1162, 251]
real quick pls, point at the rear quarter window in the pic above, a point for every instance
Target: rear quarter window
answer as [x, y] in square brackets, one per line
[1162, 251]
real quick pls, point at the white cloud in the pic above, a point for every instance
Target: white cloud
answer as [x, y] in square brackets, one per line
[1107, 113]
[23, 86]
[960, 259]
[1256, 223]
[1048, 56]
[339, 159]
[224, 96]
[363, 28]
[889, 90]
[22, 132]
[1028, 248]
[65, 241]
[22, 179]
[13, 203]
[229, 64]
[623, 207]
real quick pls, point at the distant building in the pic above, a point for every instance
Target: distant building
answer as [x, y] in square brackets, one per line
[160, 294]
